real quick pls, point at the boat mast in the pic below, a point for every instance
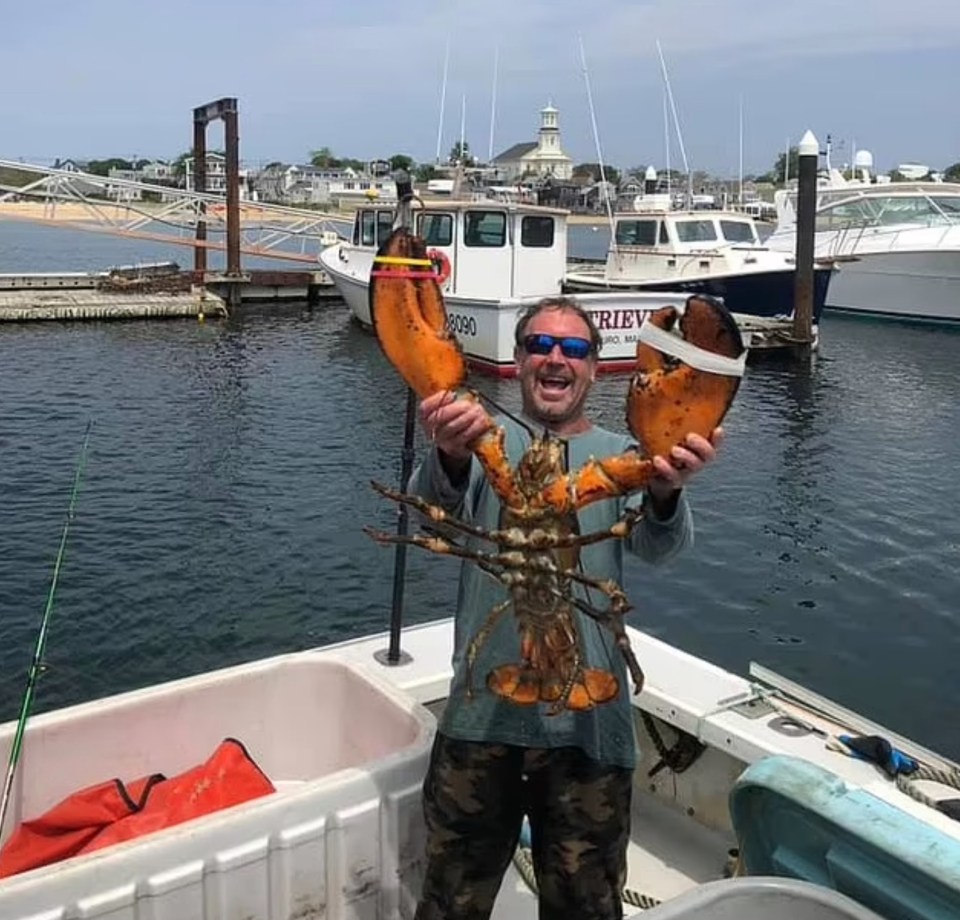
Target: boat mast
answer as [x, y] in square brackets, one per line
[596, 140]
[740, 193]
[666, 145]
[493, 103]
[443, 100]
[676, 125]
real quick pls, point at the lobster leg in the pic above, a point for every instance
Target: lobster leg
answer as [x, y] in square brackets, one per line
[509, 538]
[436, 514]
[479, 640]
[612, 619]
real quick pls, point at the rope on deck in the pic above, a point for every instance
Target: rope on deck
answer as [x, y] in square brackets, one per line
[907, 783]
[523, 860]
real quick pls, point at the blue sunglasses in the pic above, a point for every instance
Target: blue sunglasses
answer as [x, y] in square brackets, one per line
[570, 347]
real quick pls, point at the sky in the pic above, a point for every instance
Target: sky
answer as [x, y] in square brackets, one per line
[365, 77]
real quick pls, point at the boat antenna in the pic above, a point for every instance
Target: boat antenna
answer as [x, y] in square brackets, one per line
[36, 667]
[676, 125]
[443, 99]
[493, 102]
[740, 192]
[596, 140]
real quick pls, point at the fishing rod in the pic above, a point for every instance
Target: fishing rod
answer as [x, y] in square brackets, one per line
[37, 665]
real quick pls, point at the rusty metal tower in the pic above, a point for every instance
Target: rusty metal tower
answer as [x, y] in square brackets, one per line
[202, 116]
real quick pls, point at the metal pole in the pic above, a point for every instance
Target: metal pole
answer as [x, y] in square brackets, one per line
[232, 138]
[394, 655]
[200, 185]
[809, 154]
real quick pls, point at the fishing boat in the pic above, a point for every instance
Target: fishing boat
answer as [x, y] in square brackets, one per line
[654, 247]
[494, 259]
[743, 776]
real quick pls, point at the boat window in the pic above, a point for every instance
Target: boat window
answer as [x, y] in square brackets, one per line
[368, 228]
[738, 231]
[637, 232]
[384, 225]
[484, 228]
[948, 206]
[536, 232]
[435, 229]
[696, 231]
[664, 236]
[917, 209]
[845, 214]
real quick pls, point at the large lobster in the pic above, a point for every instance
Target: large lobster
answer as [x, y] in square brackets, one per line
[537, 542]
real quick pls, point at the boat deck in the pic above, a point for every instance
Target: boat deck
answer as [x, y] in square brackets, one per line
[668, 855]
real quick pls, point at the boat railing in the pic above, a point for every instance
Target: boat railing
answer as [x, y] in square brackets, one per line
[848, 239]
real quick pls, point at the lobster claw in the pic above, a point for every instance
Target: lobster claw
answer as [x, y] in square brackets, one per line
[671, 397]
[409, 317]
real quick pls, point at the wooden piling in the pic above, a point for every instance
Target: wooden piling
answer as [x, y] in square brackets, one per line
[809, 156]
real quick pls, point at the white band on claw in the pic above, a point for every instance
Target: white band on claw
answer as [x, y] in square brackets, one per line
[693, 355]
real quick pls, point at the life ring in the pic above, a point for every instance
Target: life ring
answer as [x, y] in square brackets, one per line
[441, 265]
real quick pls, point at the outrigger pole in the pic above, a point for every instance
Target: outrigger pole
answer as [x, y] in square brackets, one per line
[37, 666]
[393, 654]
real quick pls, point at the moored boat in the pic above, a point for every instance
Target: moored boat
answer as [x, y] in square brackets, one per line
[897, 245]
[495, 259]
[698, 252]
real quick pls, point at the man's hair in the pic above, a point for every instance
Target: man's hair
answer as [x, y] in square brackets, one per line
[558, 303]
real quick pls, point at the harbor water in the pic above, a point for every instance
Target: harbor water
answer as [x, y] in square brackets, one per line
[221, 510]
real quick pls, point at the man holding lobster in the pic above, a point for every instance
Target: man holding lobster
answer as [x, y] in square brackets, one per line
[496, 759]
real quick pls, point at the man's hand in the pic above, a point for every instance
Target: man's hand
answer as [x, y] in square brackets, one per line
[673, 472]
[453, 425]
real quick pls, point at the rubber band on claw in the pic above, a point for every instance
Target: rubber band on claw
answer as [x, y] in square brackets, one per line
[400, 260]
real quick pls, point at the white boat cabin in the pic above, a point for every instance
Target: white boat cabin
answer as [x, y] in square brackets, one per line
[495, 250]
[661, 246]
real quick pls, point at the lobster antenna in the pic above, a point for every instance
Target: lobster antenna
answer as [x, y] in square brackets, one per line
[504, 411]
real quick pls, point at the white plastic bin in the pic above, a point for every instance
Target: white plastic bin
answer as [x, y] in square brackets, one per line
[342, 836]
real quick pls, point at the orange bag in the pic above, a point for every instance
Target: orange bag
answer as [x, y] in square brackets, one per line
[112, 812]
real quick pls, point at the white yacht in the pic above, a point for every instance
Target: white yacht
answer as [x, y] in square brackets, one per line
[897, 244]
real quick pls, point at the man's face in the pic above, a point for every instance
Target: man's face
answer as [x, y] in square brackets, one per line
[555, 386]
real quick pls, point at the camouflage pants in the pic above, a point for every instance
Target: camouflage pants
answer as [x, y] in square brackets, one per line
[475, 796]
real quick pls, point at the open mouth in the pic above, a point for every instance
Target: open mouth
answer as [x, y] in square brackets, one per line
[554, 384]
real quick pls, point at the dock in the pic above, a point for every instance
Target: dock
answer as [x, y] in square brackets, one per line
[152, 291]
[766, 333]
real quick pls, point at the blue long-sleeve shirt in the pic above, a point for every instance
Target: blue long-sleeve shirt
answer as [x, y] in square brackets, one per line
[605, 733]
